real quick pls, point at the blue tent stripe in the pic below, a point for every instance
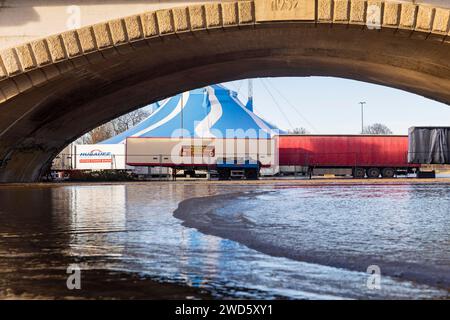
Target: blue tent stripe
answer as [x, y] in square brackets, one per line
[191, 114]
[161, 113]
[197, 107]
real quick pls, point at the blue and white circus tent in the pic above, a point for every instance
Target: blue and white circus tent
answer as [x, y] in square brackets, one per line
[214, 111]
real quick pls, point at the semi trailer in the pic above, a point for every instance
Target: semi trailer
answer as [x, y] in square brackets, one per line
[230, 158]
[359, 156]
[429, 145]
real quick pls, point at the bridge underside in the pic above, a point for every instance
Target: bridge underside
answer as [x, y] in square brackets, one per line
[47, 107]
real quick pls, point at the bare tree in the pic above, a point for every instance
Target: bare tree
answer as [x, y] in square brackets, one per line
[114, 127]
[299, 130]
[98, 134]
[376, 128]
[128, 120]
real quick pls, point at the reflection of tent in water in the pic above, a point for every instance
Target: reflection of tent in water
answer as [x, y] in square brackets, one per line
[213, 111]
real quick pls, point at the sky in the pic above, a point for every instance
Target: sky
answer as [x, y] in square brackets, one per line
[325, 105]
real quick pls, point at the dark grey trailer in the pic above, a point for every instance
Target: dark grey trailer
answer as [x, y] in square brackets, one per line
[429, 145]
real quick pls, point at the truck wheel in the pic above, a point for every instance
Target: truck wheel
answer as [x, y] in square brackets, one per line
[190, 173]
[373, 173]
[359, 173]
[388, 173]
[251, 174]
[224, 174]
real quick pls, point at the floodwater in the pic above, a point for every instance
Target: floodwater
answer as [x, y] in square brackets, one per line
[231, 240]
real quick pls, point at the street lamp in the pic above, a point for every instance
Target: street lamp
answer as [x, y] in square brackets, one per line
[362, 116]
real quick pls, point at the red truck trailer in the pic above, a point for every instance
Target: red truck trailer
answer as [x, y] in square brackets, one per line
[357, 155]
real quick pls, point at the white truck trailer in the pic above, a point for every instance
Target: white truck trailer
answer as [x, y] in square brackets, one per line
[231, 158]
[99, 157]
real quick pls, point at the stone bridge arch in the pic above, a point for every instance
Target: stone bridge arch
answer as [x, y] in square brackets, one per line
[55, 89]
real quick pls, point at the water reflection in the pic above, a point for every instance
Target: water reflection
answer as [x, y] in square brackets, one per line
[98, 211]
[403, 229]
[131, 228]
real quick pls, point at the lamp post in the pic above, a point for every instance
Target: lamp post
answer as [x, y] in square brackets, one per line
[362, 103]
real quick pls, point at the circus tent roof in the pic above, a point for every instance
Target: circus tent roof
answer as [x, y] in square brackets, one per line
[214, 111]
